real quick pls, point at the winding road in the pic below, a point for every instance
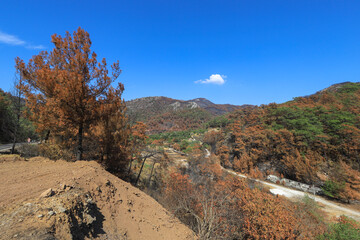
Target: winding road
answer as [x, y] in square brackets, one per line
[333, 209]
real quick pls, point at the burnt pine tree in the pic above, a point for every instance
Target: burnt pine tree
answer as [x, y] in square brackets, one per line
[64, 87]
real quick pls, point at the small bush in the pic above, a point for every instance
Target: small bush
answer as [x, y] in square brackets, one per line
[29, 150]
[344, 229]
[54, 152]
[332, 189]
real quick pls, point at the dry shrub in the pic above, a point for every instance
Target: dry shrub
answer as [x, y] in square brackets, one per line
[256, 173]
[29, 150]
[54, 151]
[10, 158]
[217, 206]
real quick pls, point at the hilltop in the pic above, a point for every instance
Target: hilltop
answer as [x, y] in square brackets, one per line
[340, 87]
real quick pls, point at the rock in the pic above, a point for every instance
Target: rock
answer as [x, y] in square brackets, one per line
[354, 202]
[89, 219]
[51, 213]
[273, 178]
[108, 183]
[62, 209]
[40, 216]
[63, 186]
[47, 193]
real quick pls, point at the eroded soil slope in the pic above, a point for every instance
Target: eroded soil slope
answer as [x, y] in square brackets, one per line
[84, 202]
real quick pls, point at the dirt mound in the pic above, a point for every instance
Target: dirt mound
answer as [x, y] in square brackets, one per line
[42, 199]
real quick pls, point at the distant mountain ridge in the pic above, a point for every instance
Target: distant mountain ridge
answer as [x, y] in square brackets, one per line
[163, 114]
[146, 107]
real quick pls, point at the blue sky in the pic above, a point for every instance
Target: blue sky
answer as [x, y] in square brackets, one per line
[239, 52]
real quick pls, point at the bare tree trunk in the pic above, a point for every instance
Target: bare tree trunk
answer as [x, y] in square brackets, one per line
[142, 166]
[79, 154]
[17, 92]
[130, 165]
[17, 126]
[47, 136]
[151, 173]
[14, 140]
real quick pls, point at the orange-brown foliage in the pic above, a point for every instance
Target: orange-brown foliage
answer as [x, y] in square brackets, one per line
[69, 95]
[233, 209]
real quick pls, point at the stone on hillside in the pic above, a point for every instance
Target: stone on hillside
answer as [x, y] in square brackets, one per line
[47, 193]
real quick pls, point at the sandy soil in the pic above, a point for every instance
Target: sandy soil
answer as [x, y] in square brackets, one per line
[124, 211]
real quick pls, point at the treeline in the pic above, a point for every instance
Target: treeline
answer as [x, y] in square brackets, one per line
[13, 125]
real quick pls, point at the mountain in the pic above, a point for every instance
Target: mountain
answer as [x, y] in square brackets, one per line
[342, 87]
[143, 108]
[167, 114]
[313, 139]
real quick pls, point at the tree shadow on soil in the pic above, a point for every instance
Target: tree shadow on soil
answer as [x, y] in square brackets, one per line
[87, 223]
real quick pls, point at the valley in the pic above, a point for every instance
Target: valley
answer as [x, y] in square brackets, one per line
[100, 167]
[332, 208]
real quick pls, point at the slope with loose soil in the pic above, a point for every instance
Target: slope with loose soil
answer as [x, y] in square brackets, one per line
[43, 199]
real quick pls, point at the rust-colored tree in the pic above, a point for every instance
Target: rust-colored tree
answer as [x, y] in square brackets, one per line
[64, 88]
[212, 137]
[111, 135]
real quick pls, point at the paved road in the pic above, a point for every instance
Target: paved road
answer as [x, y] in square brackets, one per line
[5, 147]
[328, 206]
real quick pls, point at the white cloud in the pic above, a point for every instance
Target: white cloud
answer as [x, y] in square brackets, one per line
[15, 41]
[10, 39]
[214, 79]
[35, 47]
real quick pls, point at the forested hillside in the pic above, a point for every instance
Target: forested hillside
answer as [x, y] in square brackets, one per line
[313, 139]
[162, 114]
